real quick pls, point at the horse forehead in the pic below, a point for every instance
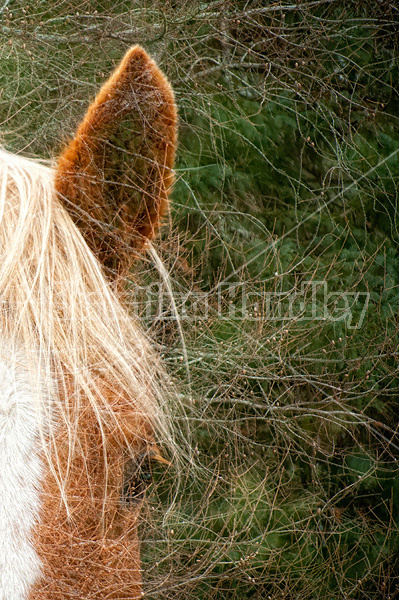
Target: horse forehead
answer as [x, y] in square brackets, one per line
[20, 476]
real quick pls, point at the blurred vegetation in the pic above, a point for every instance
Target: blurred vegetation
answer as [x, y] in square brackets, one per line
[282, 251]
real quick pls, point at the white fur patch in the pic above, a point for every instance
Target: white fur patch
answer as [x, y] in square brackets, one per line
[20, 477]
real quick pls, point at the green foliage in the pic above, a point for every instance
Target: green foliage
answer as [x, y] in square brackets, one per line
[284, 266]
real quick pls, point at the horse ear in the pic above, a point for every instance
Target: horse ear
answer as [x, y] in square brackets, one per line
[115, 176]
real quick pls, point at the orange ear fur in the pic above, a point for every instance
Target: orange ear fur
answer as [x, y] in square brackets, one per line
[115, 176]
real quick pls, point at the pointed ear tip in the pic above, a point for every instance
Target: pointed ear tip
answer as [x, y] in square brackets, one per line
[136, 52]
[136, 57]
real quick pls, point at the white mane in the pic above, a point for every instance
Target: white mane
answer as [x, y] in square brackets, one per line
[59, 310]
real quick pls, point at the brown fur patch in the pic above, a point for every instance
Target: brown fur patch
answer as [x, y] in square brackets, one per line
[87, 537]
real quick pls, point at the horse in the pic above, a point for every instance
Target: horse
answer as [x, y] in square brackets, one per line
[83, 408]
